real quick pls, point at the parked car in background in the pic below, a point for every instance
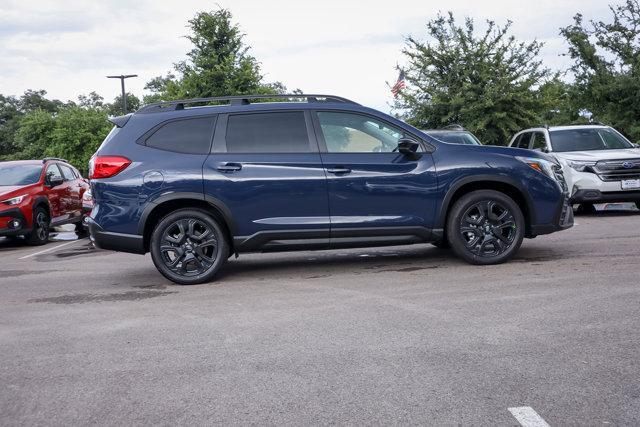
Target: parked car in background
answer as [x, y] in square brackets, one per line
[87, 206]
[454, 134]
[193, 185]
[600, 164]
[36, 195]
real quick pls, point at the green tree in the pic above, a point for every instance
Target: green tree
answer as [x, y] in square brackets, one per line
[219, 63]
[9, 120]
[607, 66]
[73, 132]
[560, 105]
[485, 82]
[115, 108]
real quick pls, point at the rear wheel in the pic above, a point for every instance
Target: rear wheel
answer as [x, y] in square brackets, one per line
[189, 247]
[40, 232]
[485, 227]
[81, 230]
[638, 205]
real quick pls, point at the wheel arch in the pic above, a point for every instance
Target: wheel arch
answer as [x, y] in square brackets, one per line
[41, 201]
[168, 203]
[502, 184]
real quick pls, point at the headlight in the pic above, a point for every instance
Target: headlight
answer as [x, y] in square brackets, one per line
[541, 165]
[579, 165]
[14, 200]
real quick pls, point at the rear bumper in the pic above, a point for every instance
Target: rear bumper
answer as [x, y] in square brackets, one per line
[7, 228]
[563, 220]
[121, 242]
[597, 196]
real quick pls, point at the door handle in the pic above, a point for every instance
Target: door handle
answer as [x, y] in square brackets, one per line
[339, 170]
[228, 167]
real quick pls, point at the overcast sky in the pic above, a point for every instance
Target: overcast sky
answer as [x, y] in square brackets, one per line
[341, 47]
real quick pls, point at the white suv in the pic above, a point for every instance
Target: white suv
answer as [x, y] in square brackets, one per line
[600, 165]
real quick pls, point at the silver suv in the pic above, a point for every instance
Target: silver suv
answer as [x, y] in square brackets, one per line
[599, 163]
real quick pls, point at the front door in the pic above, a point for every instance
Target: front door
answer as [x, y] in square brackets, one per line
[266, 170]
[376, 195]
[57, 195]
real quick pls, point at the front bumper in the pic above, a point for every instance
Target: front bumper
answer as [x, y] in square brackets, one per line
[563, 220]
[121, 242]
[597, 196]
[6, 223]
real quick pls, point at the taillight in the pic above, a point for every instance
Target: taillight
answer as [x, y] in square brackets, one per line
[107, 166]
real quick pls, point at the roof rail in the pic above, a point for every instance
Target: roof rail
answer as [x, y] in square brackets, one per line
[238, 100]
[48, 159]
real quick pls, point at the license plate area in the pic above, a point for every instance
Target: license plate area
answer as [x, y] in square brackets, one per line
[630, 184]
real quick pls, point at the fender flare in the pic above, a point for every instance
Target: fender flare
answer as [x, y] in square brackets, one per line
[482, 178]
[220, 206]
[40, 201]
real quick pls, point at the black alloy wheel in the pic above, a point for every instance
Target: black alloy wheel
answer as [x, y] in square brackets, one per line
[488, 228]
[485, 227]
[188, 246]
[40, 233]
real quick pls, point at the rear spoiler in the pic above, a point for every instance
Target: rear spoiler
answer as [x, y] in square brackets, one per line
[120, 121]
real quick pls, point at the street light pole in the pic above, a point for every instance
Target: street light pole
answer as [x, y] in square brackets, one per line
[124, 94]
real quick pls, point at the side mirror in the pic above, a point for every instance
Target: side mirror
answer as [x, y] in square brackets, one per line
[409, 148]
[54, 182]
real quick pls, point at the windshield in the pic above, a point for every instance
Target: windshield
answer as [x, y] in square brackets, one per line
[587, 140]
[19, 174]
[455, 137]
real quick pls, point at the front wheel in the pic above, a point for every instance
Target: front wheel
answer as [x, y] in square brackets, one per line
[39, 234]
[189, 247]
[485, 227]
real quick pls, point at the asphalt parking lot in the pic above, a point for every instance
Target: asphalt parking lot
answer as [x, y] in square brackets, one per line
[402, 335]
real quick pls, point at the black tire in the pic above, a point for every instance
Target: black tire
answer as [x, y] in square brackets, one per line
[586, 209]
[485, 227]
[39, 234]
[188, 246]
[638, 205]
[82, 230]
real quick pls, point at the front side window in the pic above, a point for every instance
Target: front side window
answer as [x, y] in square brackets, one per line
[539, 142]
[356, 133]
[189, 136]
[52, 173]
[19, 174]
[587, 140]
[278, 132]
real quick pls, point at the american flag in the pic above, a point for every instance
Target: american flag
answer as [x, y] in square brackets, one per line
[400, 84]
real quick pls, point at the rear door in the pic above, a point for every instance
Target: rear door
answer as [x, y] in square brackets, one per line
[375, 193]
[267, 172]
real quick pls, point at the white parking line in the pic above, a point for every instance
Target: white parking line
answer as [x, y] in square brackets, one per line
[527, 417]
[50, 249]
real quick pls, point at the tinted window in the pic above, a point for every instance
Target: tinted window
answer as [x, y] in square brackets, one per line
[524, 140]
[356, 133]
[67, 172]
[284, 132]
[587, 139]
[52, 172]
[19, 174]
[190, 136]
[538, 141]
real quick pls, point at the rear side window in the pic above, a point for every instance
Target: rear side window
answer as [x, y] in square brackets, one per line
[189, 136]
[524, 140]
[67, 172]
[282, 132]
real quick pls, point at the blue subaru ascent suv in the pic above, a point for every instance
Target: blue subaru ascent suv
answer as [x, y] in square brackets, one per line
[194, 183]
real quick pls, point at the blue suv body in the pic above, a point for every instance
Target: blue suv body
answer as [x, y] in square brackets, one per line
[195, 185]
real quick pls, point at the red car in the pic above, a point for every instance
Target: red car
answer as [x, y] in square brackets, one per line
[36, 195]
